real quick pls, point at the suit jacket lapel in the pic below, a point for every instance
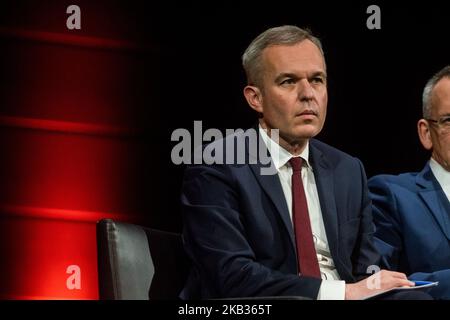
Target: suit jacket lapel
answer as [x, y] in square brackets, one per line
[435, 198]
[324, 177]
[271, 185]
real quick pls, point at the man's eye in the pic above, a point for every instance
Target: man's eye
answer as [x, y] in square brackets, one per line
[288, 81]
[317, 80]
[445, 121]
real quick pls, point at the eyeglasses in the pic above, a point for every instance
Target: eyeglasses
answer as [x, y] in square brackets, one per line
[443, 123]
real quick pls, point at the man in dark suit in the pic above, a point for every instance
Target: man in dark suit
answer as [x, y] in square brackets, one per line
[303, 226]
[412, 210]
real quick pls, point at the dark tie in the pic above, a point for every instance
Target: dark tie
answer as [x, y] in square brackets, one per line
[306, 253]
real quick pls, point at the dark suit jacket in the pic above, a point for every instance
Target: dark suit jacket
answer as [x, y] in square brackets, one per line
[238, 232]
[411, 213]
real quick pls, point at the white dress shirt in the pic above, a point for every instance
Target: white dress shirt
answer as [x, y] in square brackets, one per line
[442, 176]
[332, 288]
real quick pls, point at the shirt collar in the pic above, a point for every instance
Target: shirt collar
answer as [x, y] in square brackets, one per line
[283, 155]
[441, 175]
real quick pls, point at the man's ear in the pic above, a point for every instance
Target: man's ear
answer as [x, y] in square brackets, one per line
[423, 129]
[254, 98]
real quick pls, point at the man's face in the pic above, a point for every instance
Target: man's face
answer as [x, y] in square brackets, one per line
[440, 137]
[294, 90]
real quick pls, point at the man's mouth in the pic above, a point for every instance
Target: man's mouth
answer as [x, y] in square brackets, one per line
[307, 113]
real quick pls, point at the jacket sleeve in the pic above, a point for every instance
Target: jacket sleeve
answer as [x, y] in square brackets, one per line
[365, 254]
[389, 240]
[214, 234]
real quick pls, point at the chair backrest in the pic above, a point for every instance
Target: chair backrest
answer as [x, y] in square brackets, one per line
[139, 263]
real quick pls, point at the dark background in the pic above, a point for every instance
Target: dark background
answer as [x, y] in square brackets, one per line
[376, 77]
[86, 116]
[190, 70]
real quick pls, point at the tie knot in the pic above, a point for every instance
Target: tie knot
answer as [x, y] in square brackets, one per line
[296, 164]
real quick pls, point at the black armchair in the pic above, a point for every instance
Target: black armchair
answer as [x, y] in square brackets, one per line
[139, 263]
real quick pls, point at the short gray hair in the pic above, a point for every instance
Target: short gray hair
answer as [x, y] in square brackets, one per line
[427, 91]
[283, 35]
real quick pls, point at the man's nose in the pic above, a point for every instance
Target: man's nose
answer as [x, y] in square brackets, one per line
[305, 91]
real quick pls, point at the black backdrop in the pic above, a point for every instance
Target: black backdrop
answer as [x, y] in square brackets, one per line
[376, 77]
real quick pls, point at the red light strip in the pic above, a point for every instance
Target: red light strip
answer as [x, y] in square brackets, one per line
[64, 214]
[65, 126]
[75, 40]
[23, 297]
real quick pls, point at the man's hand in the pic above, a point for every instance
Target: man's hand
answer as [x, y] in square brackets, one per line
[384, 280]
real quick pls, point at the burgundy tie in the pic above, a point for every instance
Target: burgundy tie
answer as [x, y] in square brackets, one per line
[306, 253]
